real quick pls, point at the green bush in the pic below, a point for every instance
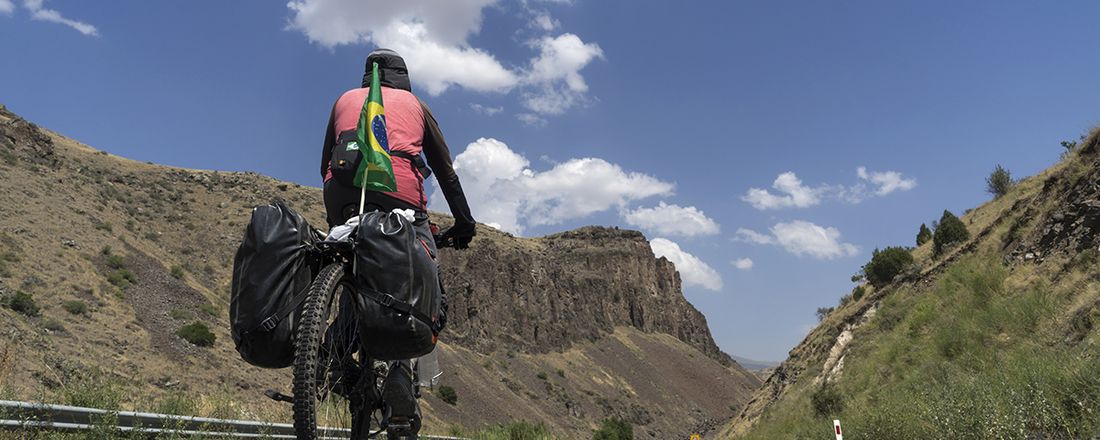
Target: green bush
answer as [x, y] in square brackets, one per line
[448, 394]
[614, 429]
[886, 264]
[116, 261]
[177, 403]
[53, 325]
[177, 272]
[827, 401]
[924, 235]
[75, 307]
[121, 277]
[197, 333]
[858, 293]
[999, 182]
[950, 231]
[541, 375]
[23, 303]
[561, 373]
[823, 312]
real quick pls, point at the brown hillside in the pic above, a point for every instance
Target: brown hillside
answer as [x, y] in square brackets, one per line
[147, 249]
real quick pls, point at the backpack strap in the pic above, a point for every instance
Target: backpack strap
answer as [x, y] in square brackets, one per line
[388, 300]
[417, 162]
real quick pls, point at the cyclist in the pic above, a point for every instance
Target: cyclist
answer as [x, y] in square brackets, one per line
[411, 130]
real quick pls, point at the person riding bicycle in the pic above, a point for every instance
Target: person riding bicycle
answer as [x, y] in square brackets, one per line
[411, 129]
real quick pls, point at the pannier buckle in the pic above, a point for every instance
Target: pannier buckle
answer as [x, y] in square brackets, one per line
[386, 299]
[269, 324]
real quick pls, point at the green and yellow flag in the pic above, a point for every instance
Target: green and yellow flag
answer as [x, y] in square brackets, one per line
[376, 169]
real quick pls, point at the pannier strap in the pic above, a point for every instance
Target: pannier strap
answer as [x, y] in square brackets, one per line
[388, 300]
[271, 322]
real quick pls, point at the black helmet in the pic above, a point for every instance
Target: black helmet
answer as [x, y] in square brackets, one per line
[391, 68]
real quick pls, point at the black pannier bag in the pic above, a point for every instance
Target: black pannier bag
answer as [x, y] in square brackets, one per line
[398, 294]
[272, 271]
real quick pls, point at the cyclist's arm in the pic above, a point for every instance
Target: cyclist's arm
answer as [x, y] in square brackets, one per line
[326, 148]
[439, 159]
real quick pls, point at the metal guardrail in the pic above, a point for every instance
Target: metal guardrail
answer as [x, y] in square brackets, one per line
[25, 415]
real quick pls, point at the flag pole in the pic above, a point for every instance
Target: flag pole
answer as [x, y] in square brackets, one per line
[363, 191]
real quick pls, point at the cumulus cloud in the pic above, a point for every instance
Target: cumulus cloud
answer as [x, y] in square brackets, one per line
[486, 110]
[555, 73]
[665, 219]
[503, 190]
[886, 182]
[792, 193]
[742, 263]
[40, 12]
[532, 119]
[693, 271]
[432, 37]
[6, 7]
[802, 238]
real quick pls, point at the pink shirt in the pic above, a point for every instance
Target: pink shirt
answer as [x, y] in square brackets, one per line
[404, 128]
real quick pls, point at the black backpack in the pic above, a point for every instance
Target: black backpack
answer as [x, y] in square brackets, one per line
[398, 295]
[272, 272]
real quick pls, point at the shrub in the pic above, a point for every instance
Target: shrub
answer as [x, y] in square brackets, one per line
[23, 303]
[886, 264]
[448, 394]
[541, 375]
[951, 230]
[121, 277]
[75, 307]
[827, 401]
[924, 235]
[116, 261]
[823, 312]
[4, 271]
[106, 250]
[177, 272]
[561, 373]
[208, 309]
[197, 333]
[999, 182]
[53, 325]
[614, 429]
[521, 430]
[177, 403]
[858, 293]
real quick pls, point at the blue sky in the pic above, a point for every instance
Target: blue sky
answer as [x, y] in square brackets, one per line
[566, 113]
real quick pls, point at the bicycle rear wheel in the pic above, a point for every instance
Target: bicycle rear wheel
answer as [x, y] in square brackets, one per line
[325, 370]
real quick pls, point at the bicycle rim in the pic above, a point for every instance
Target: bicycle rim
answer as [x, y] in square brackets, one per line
[323, 357]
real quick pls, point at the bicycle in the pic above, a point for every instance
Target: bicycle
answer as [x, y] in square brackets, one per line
[326, 368]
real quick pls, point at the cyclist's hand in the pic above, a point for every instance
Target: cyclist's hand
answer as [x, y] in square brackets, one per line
[462, 234]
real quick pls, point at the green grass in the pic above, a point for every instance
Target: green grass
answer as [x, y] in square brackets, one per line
[973, 357]
[520, 430]
[116, 261]
[181, 314]
[177, 272]
[121, 277]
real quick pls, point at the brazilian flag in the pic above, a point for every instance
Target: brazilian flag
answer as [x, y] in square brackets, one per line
[376, 169]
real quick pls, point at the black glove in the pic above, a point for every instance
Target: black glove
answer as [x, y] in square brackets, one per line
[462, 234]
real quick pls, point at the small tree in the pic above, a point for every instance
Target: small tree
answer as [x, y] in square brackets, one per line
[951, 230]
[886, 264]
[999, 182]
[822, 312]
[924, 235]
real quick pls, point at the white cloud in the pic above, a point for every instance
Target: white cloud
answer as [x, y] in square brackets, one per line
[486, 110]
[532, 119]
[667, 219]
[39, 12]
[802, 238]
[743, 263]
[432, 37]
[886, 181]
[502, 189]
[793, 194]
[6, 7]
[555, 74]
[693, 271]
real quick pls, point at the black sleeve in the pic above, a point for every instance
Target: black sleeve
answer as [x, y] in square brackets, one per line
[439, 159]
[326, 148]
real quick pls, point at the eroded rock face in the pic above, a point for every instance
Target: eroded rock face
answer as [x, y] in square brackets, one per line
[540, 295]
